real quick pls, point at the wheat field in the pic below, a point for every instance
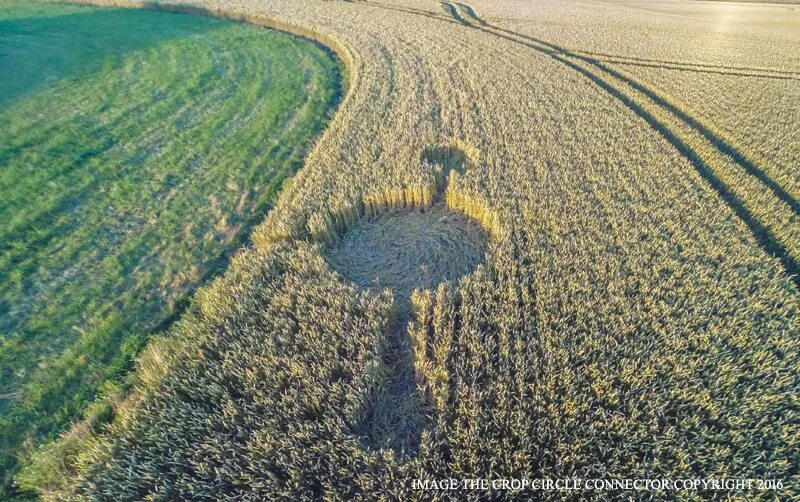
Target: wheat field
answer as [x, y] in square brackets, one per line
[632, 310]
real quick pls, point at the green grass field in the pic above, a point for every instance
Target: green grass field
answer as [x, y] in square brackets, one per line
[137, 150]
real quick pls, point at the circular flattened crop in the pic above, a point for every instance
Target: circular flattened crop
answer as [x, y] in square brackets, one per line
[403, 250]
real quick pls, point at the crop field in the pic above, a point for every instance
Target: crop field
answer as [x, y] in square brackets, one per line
[537, 239]
[133, 161]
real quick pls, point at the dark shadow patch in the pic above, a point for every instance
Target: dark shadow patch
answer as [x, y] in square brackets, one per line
[470, 14]
[404, 250]
[46, 49]
[453, 12]
[396, 410]
[450, 158]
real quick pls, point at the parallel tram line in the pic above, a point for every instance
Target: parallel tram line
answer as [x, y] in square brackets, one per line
[685, 65]
[678, 127]
[774, 227]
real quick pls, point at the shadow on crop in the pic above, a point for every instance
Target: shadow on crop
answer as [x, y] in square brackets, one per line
[42, 50]
[404, 250]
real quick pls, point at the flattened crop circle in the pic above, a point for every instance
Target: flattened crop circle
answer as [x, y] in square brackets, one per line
[403, 250]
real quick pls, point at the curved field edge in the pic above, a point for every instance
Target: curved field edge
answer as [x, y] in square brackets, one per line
[52, 465]
[316, 36]
[102, 410]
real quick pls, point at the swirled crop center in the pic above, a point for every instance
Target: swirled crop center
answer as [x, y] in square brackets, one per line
[403, 250]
